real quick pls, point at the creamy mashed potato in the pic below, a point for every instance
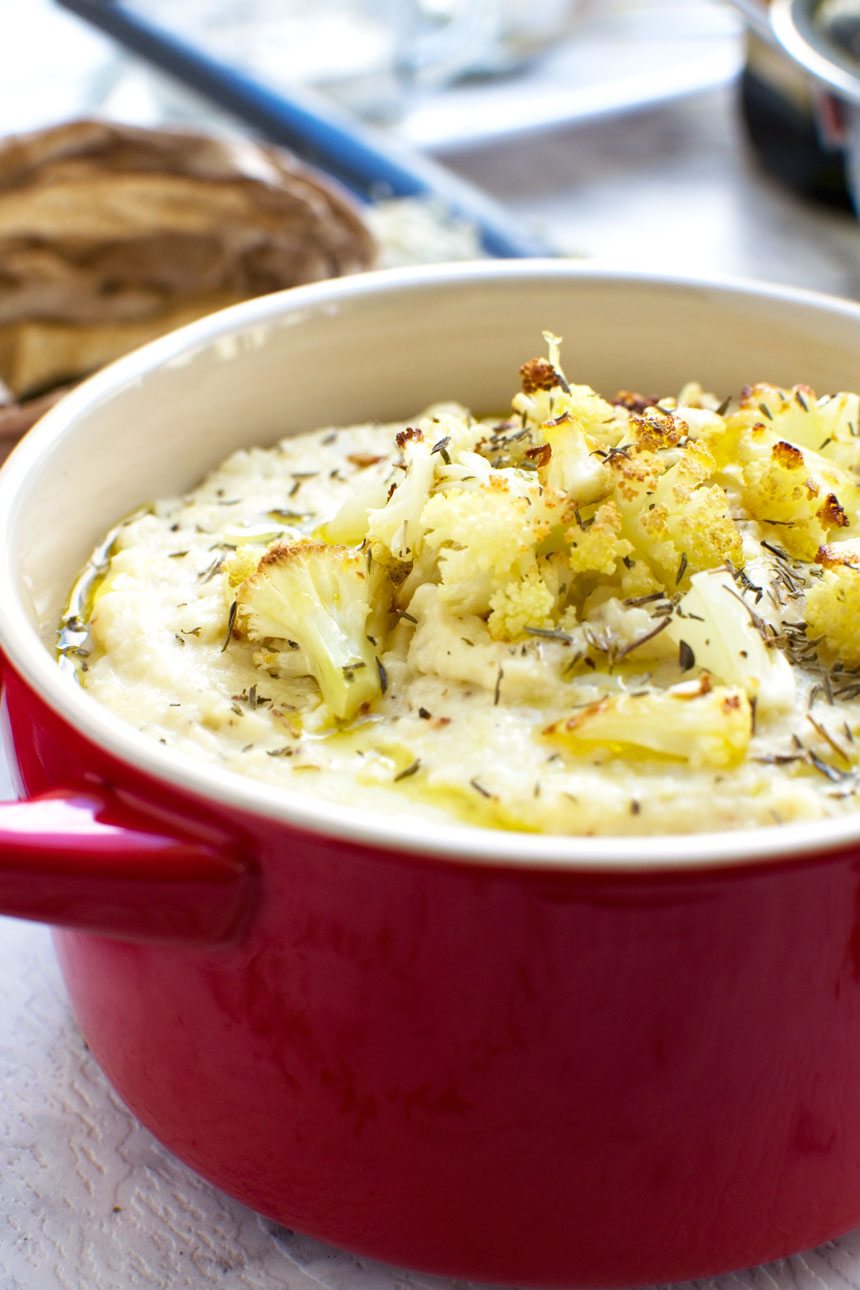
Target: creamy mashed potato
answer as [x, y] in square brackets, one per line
[585, 617]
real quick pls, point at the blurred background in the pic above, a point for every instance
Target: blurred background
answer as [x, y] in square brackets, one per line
[656, 133]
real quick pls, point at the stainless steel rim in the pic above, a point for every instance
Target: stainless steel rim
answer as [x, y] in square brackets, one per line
[808, 44]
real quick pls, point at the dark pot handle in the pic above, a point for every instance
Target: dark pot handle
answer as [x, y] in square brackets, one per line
[94, 861]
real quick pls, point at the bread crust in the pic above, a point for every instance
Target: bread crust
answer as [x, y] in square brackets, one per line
[111, 234]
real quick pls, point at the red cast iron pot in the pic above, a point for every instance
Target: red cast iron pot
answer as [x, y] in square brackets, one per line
[549, 1061]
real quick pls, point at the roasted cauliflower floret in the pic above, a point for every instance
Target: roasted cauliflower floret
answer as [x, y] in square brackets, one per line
[692, 723]
[573, 422]
[573, 462]
[833, 612]
[784, 413]
[438, 448]
[654, 430]
[395, 527]
[829, 425]
[807, 496]
[521, 603]
[326, 600]
[487, 540]
[547, 397]
[596, 544]
[676, 522]
[485, 528]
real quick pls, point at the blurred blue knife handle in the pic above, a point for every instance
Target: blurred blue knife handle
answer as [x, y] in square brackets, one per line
[370, 163]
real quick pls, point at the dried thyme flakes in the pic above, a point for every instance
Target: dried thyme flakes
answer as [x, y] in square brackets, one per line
[598, 613]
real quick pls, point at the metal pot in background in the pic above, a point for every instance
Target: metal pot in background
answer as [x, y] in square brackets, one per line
[823, 37]
[800, 92]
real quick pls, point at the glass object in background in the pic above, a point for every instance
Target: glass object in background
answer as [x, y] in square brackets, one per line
[456, 38]
[349, 49]
[370, 55]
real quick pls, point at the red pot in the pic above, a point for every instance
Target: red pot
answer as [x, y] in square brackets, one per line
[533, 1060]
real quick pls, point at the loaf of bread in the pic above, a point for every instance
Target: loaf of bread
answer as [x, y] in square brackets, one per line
[112, 234]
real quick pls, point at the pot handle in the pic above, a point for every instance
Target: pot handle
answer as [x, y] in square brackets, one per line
[94, 861]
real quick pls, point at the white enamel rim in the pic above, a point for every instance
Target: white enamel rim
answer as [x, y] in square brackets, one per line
[22, 647]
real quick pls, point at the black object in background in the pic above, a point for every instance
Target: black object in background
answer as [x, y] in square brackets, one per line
[780, 117]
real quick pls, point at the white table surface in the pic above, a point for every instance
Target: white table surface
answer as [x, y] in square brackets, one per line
[88, 1200]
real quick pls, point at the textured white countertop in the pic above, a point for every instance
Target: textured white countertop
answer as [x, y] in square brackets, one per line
[88, 1200]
